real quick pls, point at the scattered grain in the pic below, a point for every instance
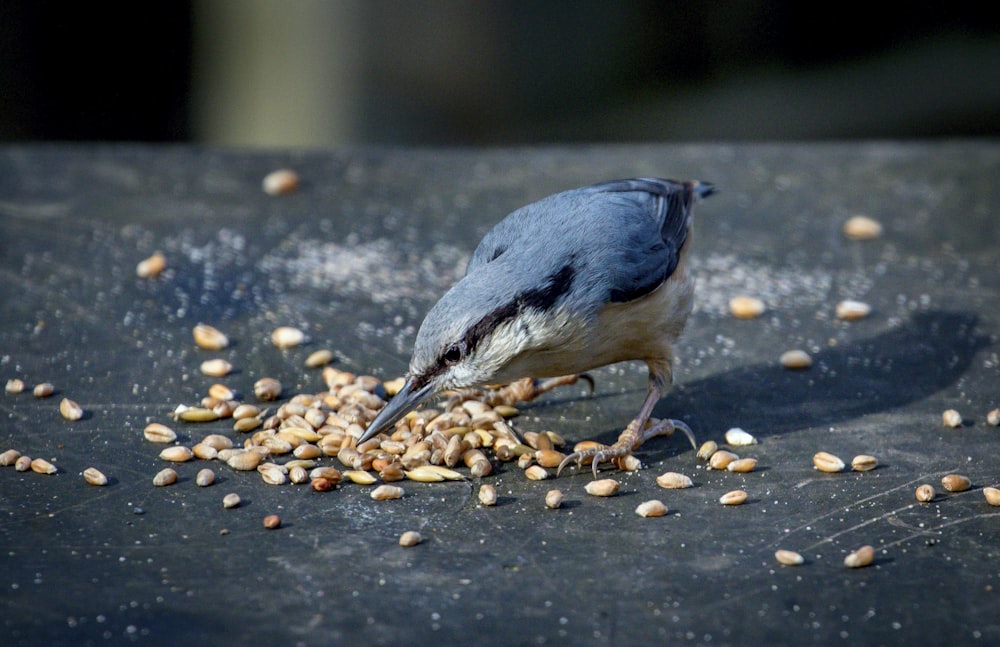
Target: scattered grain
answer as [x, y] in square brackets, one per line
[386, 492]
[94, 476]
[158, 433]
[992, 495]
[164, 477]
[851, 310]
[22, 463]
[536, 473]
[410, 538]
[209, 337]
[827, 462]
[706, 450]
[736, 437]
[267, 388]
[674, 481]
[864, 463]
[860, 558]
[280, 182]
[951, 418]
[746, 307]
[151, 267]
[9, 457]
[651, 508]
[43, 390]
[736, 497]
[177, 454]
[993, 418]
[553, 499]
[243, 461]
[487, 494]
[788, 557]
[602, 487]
[796, 359]
[742, 465]
[956, 483]
[231, 500]
[42, 466]
[862, 228]
[204, 478]
[14, 386]
[319, 358]
[721, 459]
[272, 521]
[925, 493]
[287, 337]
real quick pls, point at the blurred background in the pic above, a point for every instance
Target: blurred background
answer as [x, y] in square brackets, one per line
[316, 73]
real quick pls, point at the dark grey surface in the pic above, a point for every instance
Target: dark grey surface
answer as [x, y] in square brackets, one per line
[355, 257]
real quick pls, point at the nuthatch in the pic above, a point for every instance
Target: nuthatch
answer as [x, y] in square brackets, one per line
[578, 280]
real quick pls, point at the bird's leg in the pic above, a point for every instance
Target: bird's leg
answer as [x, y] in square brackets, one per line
[525, 389]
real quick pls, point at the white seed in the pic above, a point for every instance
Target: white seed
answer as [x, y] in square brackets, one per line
[70, 410]
[956, 483]
[536, 473]
[674, 481]
[651, 508]
[217, 441]
[177, 454]
[736, 497]
[165, 477]
[9, 457]
[862, 228]
[992, 495]
[267, 388]
[205, 452]
[217, 367]
[157, 433]
[94, 476]
[22, 464]
[243, 461]
[14, 386]
[359, 476]
[272, 474]
[553, 499]
[742, 465]
[151, 267]
[410, 538]
[628, 463]
[42, 466]
[222, 393]
[925, 493]
[721, 459]
[602, 487]
[745, 307]
[319, 358]
[43, 390]
[860, 558]
[209, 337]
[851, 310]
[706, 450]
[487, 494]
[287, 337]
[993, 418]
[796, 359]
[204, 478]
[736, 437]
[298, 475]
[386, 492]
[392, 387]
[231, 500]
[826, 462]
[864, 463]
[280, 182]
[951, 418]
[788, 557]
[246, 411]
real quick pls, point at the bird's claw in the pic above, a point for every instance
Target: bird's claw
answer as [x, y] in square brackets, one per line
[595, 456]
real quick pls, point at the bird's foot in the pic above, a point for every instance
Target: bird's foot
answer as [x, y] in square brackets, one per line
[527, 389]
[629, 440]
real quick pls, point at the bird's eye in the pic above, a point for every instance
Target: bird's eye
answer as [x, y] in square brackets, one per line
[454, 354]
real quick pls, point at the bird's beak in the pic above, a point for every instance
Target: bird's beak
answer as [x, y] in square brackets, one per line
[406, 399]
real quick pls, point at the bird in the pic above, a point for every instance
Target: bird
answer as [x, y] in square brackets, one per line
[578, 280]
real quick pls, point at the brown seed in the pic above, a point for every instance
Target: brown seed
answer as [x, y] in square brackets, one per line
[651, 508]
[331, 474]
[386, 492]
[42, 466]
[287, 337]
[319, 358]
[218, 441]
[992, 495]
[307, 451]
[796, 359]
[736, 497]
[94, 476]
[14, 386]
[925, 493]
[862, 228]
[272, 521]
[157, 433]
[320, 484]
[721, 459]
[70, 410]
[673, 481]
[864, 463]
[706, 450]
[536, 473]
[745, 307]
[246, 425]
[177, 454]
[221, 392]
[956, 483]
[209, 337]
[164, 477]
[826, 462]
[243, 461]
[151, 267]
[231, 500]
[860, 558]
[742, 465]
[602, 487]
[788, 557]
[246, 411]
[9, 457]
[216, 368]
[195, 414]
[43, 390]
[951, 418]
[204, 478]
[993, 418]
[205, 452]
[410, 538]
[267, 388]
[851, 310]
[487, 494]
[280, 182]
[628, 463]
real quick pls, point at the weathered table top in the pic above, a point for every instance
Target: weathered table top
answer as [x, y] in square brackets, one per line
[356, 256]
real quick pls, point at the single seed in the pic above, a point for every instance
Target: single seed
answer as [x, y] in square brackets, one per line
[319, 358]
[231, 500]
[9, 457]
[992, 495]
[651, 508]
[287, 337]
[320, 484]
[826, 462]
[956, 483]
[721, 459]
[157, 433]
[410, 538]
[209, 338]
[22, 464]
[359, 476]
[788, 557]
[204, 478]
[674, 481]
[628, 463]
[736, 437]
[602, 487]
[43, 390]
[196, 414]
[993, 418]
[243, 461]
[796, 359]
[951, 418]
[272, 521]
[217, 441]
[549, 457]
[506, 411]
[553, 499]
[487, 494]
[736, 497]
[862, 228]
[445, 473]
[860, 558]
[331, 474]
[386, 492]
[94, 476]
[742, 465]
[217, 367]
[151, 267]
[272, 474]
[267, 388]
[246, 411]
[864, 463]
[392, 387]
[745, 307]
[42, 466]
[536, 473]
[925, 493]
[14, 386]
[165, 477]
[70, 410]
[851, 310]
[221, 392]
[706, 450]
[177, 454]
[307, 451]
[280, 182]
